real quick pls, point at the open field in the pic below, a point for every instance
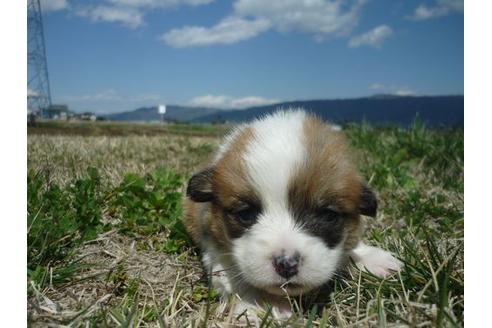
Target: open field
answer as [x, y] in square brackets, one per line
[106, 248]
[105, 128]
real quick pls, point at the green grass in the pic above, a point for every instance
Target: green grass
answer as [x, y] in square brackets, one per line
[106, 246]
[105, 128]
[58, 220]
[61, 218]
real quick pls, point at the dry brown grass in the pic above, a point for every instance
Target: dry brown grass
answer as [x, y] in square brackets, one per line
[126, 282]
[114, 262]
[66, 157]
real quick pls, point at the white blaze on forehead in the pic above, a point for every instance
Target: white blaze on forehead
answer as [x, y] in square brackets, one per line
[226, 144]
[273, 154]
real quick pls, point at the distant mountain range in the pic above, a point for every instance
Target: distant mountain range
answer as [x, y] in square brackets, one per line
[434, 111]
[173, 113]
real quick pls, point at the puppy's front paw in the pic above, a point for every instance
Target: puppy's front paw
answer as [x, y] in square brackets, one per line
[375, 260]
[280, 310]
[244, 313]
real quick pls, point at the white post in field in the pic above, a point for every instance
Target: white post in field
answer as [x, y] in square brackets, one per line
[162, 110]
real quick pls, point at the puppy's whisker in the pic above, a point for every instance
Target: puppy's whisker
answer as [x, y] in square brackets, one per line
[230, 268]
[228, 253]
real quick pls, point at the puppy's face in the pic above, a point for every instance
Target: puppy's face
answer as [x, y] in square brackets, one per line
[285, 202]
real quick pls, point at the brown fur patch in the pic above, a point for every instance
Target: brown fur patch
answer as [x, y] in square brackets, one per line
[328, 178]
[230, 188]
[195, 217]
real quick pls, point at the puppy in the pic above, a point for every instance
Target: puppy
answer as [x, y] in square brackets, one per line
[277, 211]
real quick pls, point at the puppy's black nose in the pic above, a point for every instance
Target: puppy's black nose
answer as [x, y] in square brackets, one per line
[286, 265]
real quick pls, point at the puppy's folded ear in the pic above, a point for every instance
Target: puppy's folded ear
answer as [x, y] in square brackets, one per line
[368, 202]
[200, 186]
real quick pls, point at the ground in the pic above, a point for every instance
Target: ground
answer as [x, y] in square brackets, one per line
[105, 244]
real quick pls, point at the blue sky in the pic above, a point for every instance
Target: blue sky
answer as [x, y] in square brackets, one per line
[117, 55]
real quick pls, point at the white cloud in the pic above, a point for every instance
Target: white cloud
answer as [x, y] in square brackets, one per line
[129, 17]
[158, 3]
[316, 17]
[456, 5]
[321, 19]
[222, 101]
[252, 101]
[392, 89]
[53, 5]
[423, 12]
[373, 38]
[130, 13]
[210, 101]
[111, 98]
[227, 31]
[404, 92]
[441, 8]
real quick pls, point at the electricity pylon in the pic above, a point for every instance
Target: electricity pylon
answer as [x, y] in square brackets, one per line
[38, 85]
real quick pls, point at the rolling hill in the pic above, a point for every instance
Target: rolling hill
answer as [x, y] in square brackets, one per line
[173, 113]
[434, 111]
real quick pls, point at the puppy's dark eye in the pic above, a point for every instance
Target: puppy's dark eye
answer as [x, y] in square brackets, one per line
[329, 214]
[246, 214]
